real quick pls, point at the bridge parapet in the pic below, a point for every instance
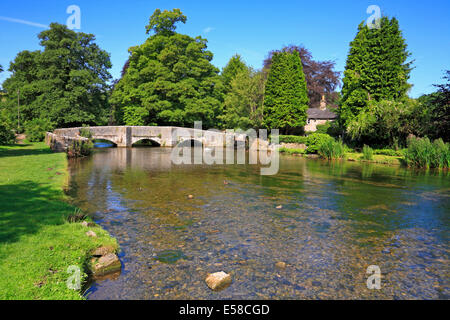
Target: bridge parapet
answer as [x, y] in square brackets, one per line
[126, 136]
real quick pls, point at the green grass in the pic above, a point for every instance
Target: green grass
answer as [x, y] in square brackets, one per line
[367, 153]
[377, 158]
[291, 151]
[331, 149]
[37, 244]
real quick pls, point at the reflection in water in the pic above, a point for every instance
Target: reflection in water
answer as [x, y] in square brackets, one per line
[336, 220]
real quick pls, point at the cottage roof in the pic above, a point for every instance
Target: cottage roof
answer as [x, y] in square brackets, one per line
[316, 113]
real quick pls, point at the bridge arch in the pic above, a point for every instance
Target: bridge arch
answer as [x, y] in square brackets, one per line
[104, 143]
[150, 142]
[190, 143]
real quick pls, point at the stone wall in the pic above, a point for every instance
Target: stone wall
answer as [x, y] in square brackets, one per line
[312, 125]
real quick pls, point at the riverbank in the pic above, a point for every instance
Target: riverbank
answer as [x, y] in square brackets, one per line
[349, 156]
[37, 244]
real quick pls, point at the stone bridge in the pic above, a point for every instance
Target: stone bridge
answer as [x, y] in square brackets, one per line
[126, 136]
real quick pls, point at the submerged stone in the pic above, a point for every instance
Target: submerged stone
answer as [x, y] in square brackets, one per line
[170, 256]
[218, 281]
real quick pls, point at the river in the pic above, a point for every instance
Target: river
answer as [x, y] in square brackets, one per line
[336, 220]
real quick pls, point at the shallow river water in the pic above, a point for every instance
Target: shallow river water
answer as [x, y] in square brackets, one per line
[336, 220]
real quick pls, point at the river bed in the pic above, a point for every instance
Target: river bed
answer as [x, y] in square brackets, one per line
[336, 220]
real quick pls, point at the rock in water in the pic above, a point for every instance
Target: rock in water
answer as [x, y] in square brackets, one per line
[107, 264]
[103, 251]
[280, 265]
[91, 233]
[218, 281]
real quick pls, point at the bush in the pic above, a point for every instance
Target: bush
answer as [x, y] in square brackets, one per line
[292, 151]
[6, 130]
[314, 140]
[331, 149]
[80, 148]
[390, 152]
[323, 128]
[292, 139]
[35, 129]
[86, 133]
[422, 153]
[367, 153]
[76, 216]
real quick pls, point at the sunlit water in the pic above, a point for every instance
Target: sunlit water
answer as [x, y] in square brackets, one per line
[336, 220]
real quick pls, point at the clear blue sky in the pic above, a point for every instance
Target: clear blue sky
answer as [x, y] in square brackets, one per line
[250, 28]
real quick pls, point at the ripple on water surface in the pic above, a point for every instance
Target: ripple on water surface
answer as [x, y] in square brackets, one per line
[336, 219]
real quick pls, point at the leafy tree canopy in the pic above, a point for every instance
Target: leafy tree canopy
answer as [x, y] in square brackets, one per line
[243, 102]
[164, 22]
[170, 79]
[376, 68]
[437, 108]
[286, 96]
[65, 83]
[233, 67]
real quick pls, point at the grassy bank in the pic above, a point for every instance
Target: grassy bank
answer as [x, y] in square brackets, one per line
[352, 156]
[37, 244]
[377, 158]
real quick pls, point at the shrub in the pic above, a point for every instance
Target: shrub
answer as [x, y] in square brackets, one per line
[422, 153]
[80, 148]
[86, 133]
[292, 139]
[367, 153]
[331, 149]
[292, 151]
[389, 152]
[35, 129]
[323, 128]
[314, 140]
[76, 216]
[6, 130]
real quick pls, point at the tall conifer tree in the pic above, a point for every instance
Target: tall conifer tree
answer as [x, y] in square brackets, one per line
[286, 95]
[376, 68]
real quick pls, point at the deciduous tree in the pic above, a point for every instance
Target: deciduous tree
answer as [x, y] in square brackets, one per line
[65, 83]
[243, 102]
[170, 79]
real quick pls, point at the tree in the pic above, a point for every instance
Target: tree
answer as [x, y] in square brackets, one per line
[286, 95]
[233, 67]
[386, 123]
[440, 110]
[65, 83]
[320, 77]
[376, 68]
[243, 102]
[169, 80]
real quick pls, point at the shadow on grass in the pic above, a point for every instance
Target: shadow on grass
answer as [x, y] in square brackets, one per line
[20, 151]
[26, 207]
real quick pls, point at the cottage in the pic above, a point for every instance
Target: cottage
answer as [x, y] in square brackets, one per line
[318, 116]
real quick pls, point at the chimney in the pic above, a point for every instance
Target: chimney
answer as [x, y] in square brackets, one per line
[323, 103]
